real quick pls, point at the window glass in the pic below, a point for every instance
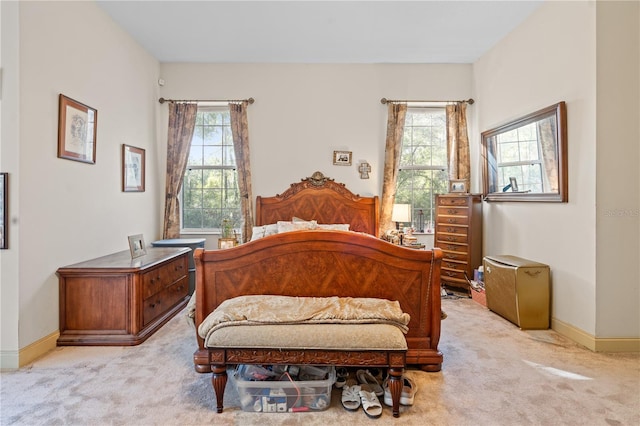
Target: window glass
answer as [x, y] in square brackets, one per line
[210, 189]
[423, 164]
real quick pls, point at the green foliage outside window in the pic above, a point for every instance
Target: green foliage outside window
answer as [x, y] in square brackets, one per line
[210, 189]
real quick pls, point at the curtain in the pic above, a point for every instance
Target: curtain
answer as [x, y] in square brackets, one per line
[547, 137]
[182, 120]
[240, 132]
[458, 142]
[395, 128]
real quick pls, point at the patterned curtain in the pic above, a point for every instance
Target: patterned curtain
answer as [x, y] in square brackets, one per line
[240, 132]
[182, 121]
[547, 136]
[458, 142]
[395, 128]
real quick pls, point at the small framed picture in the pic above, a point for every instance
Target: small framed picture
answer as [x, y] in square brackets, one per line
[514, 184]
[458, 185]
[341, 158]
[77, 129]
[136, 246]
[132, 169]
[226, 243]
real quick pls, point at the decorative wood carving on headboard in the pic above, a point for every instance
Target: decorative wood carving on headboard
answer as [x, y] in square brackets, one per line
[322, 199]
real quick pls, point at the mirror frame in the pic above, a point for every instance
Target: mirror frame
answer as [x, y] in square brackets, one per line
[558, 110]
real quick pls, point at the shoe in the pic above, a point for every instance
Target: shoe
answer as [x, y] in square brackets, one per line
[351, 395]
[409, 389]
[366, 378]
[341, 377]
[370, 402]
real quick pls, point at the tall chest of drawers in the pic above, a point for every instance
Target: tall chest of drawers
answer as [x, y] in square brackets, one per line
[458, 232]
[116, 300]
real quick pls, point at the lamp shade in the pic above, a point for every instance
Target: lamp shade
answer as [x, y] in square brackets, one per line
[401, 213]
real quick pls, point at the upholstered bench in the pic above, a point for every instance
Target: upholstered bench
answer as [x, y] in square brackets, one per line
[359, 343]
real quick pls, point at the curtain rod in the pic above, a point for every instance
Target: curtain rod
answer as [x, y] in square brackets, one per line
[387, 101]
[163, 100]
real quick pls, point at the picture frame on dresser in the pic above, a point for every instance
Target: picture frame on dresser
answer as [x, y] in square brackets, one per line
[458, 186]
[77, 130]
[137, 246]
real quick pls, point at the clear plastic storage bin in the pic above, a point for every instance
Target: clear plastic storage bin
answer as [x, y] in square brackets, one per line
[298, 389]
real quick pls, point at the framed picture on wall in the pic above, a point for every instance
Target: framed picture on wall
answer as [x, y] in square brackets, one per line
[77, 130]
[133, 169]
[341, 158]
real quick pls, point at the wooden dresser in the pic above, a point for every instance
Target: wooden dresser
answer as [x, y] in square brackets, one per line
[459, 234]
[116, 300]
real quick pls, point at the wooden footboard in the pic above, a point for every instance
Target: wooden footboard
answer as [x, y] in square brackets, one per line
[319, 263]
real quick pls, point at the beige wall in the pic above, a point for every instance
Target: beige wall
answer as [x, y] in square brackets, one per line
[65, 211]
[560, 53]
[618, 178]
[303, 112]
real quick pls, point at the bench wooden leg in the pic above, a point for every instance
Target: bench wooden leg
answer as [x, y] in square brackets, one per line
[219, 382]
[395, 388]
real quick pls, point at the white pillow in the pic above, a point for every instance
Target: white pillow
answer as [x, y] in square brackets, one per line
[296, 226]
[334, 226]
[263, 231]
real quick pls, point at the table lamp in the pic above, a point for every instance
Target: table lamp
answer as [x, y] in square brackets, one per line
[400, 214]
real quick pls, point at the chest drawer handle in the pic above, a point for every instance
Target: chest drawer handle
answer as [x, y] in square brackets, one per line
[452, 211]
[451, 220]
[153, 305]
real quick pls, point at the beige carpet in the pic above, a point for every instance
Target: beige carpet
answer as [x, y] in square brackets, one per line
[493, 374]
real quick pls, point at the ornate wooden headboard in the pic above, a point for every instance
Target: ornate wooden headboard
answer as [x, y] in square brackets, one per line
[320, 198]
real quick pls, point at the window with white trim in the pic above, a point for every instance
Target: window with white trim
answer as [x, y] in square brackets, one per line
[423, 164]
[210, 189]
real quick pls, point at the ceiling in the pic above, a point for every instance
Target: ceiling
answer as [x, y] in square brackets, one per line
[318, 31]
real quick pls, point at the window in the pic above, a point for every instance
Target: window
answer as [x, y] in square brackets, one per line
[423, 164]
[519, 157]
[210, 189]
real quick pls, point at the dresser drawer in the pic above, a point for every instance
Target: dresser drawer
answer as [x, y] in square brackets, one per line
[453, 274]
[453, 211]
[452, 264]
[452, 229]
[452, 238]
[453, 201]
[451, 247]
[463, 257]
[158, 278]
[452, 220]
[165, 299]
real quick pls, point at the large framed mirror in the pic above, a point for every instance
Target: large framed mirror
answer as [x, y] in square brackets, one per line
[526, 159]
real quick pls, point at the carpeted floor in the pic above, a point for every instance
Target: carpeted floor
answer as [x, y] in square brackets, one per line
[493, 374]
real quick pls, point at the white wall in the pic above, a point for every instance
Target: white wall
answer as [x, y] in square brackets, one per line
[559, 54]
[304, 112]
[618, 178]
[70, 211]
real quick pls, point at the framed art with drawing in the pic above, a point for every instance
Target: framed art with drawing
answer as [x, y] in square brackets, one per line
[341, 158]
[77, 130]
[133, 166]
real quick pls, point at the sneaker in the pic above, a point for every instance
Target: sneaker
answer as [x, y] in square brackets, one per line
[408, 394]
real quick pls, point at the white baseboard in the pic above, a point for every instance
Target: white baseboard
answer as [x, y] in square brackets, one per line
[608, 344]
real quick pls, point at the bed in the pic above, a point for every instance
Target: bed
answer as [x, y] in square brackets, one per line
[323, 262]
